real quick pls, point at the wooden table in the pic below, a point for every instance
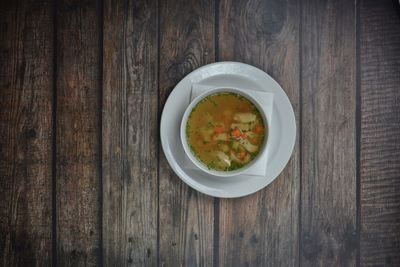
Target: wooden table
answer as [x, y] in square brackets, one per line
[84, 181]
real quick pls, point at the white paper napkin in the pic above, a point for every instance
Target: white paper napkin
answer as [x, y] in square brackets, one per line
[266, 101]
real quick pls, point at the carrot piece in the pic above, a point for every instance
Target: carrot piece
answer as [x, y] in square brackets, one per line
[254, 140]
[218, 130]
[236, 132]
[258, 129]
[241, 155]
[244, 135]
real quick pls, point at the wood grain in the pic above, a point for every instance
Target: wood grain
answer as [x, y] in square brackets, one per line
[77, 139]
[130, 133]
[262, 229]
[328, 212]
[26, 49]
[186, 216]
[380, 133]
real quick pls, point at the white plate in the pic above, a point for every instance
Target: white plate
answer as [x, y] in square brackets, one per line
[281, 137]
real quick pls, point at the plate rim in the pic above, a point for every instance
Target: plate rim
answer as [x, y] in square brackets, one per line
[191, 183]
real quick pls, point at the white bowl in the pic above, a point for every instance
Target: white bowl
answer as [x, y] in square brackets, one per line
[187, 149]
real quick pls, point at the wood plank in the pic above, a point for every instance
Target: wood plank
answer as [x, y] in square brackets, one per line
[328, 212]
[130, 133]
[26, 85]
[262, 229]
[380, 133]
[77, 126]
[186, 216]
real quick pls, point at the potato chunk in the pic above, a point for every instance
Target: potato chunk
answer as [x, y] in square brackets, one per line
[221, 137]
[248, 146]
[206, 133]
[245, 117]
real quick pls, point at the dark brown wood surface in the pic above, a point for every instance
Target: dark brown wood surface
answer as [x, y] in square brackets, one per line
[130, 133]
[77, 133]
[83, 178]
[26, 86]
[328, 230]
[380, 133]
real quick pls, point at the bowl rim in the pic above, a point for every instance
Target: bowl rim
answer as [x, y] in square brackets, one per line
[185, 117]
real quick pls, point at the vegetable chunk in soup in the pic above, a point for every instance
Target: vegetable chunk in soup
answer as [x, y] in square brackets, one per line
[225, 131]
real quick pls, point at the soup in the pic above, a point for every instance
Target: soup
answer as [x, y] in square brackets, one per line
[225, 131]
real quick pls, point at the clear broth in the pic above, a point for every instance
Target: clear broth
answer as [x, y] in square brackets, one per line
[225, 131]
